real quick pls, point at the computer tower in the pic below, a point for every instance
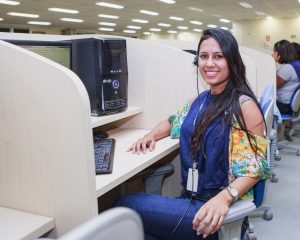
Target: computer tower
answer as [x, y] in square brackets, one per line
[101, 64]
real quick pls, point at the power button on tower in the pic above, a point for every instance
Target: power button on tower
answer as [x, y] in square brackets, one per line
[115, 84]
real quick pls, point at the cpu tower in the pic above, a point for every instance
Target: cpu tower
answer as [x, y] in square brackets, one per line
[101, 64]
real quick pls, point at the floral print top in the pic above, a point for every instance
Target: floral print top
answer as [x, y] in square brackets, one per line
[242, 159]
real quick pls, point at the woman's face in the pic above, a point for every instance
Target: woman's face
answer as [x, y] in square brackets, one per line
[213, 65]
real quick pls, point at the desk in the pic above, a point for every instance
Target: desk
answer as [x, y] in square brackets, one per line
[16, 224]
[127, 164]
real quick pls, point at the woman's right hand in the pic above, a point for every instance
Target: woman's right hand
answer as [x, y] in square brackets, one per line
[144, 143]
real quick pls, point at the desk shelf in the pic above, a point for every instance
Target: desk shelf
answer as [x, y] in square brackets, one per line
[23, 225]
[127, 164]
[130, 111]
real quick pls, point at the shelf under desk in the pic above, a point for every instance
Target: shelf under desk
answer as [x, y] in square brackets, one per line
[127, 164]
[15, 224]
[130, 111]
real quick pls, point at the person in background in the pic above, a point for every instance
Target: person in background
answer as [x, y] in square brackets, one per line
[297, 48]
[222, 148]
[287, 74]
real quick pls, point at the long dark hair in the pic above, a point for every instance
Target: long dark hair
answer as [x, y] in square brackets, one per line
[228, 100]
[286, 51]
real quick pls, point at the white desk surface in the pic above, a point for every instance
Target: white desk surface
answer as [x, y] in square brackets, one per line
[127, 164]
[99, 121]
[15, 224]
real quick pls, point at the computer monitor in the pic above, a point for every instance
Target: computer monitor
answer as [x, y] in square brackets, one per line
[57, 51]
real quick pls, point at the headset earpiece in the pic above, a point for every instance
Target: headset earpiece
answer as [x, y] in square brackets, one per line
[195, 62]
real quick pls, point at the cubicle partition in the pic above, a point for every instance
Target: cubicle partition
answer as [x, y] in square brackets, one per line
[46, 148]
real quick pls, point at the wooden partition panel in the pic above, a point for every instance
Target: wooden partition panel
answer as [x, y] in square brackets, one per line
[46, 156]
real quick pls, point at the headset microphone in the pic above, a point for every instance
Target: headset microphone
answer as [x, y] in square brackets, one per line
[195, 62]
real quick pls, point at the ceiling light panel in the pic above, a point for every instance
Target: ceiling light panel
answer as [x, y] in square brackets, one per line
[39, 23]
[106, 29]
[212, 25]
[134, 27]
[168, 1]
[245, 5]
[129, 31]
[224, 20]
[176, 18]
[197, 30]
[164, 24]
[108, 16]
[109, 5]
[182, 27]
[172, 31]
[72, 20]
[63, 10]
[260, 13]
[149, 12]
[196, 22]
[28, 15]
[155, 29]
[107, 24]
[9, 2]
[146, 33]
[1, 19]
[139, 20]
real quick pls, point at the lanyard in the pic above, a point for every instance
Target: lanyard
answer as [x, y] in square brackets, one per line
[195, 163]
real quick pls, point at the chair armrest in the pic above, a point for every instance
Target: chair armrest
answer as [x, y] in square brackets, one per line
[239, 210]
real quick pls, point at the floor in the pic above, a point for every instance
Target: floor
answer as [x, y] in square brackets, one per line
[284, 199]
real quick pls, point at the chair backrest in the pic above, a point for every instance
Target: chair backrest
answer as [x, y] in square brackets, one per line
[260, 187]
[114, 224]
[295, 101]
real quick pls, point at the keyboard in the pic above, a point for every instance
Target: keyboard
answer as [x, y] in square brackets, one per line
[104, 149]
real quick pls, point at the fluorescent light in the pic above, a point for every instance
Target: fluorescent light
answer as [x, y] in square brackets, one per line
[149, 12]
[168, 1]
[134, 27]
[245, 5]
[1, 19]
[39, 23]
[146, 33]
[23, 15]
[176, 18]
[299, 1]
[107, 24]
[270, 17]
[225, 28]
[139, 20]
[260, 13]
[106, 29]
[164, 24]
[63, 10]
[9, 2]
[195, 9]
[109, 5]
[182, 27]
[108, 16]
[72, 20]
[172, 31]
[197, 30]
[212, 25]
[129, 31]
[224, 20]
[196, 22]
[155, 29]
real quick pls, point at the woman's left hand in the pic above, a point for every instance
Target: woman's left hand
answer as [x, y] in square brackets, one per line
[210, 216]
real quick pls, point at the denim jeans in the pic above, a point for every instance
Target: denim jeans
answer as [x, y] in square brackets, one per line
[160, 215]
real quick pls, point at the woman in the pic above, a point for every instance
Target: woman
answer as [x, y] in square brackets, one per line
[287, 74]
[214, 147]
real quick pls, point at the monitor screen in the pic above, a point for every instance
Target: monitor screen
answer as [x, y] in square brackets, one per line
[57, 51]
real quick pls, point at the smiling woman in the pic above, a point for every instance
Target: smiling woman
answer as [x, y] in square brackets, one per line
[217, 129]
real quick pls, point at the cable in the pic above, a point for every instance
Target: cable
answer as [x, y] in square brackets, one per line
[180, 220]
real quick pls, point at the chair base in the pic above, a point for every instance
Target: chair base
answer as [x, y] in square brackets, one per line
[285, 145]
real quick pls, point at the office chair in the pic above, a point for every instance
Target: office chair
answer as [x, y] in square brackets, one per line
[113, 224]
[293, 117]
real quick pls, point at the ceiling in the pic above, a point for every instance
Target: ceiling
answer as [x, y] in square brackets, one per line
[207, 11]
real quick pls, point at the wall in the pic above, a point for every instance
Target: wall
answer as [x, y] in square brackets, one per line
[253, 33]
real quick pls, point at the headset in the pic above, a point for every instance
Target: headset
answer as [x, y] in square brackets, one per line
[196, 58]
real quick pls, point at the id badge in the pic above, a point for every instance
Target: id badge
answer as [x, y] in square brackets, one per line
[192, 181]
